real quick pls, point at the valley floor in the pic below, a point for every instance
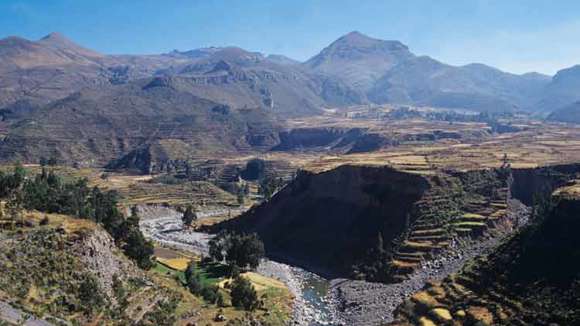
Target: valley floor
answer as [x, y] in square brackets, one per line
[310, 306]
[341, 301]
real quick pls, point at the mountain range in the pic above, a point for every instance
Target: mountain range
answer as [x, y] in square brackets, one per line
[53, 89]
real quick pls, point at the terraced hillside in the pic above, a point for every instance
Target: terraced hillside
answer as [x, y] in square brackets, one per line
[534, 278]
[459, 206]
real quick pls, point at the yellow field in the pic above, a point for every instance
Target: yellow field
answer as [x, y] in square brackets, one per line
[179, 264]
[260, 283]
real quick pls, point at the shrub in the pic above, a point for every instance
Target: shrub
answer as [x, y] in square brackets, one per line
[210, 293]
[244, 295]
[90, 294]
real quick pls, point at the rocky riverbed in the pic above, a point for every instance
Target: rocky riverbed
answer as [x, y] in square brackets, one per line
[368, 304]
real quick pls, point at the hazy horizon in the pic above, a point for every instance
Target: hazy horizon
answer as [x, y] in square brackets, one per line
[518, 37]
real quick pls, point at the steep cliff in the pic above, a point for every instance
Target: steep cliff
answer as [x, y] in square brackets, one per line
[326, 221]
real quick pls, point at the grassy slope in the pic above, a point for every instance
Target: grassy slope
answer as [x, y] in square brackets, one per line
[277, 298]
[42, 267]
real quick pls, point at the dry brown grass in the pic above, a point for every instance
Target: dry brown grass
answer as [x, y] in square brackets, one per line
[68, 223]
[541, 145]
[570, 191]
[260, 282]
[179, 264]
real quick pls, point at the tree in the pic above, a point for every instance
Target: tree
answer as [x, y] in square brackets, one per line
[218, 245]
[241, 197]
[239, 250]
[139, 249]
[19, 174]
[194, 284]
[244, 295]
[189, 216]
[52, 161]
[193, 279]
[210, 293]
[133, 219]
[49, 193]
[190, 271]
[245, 250]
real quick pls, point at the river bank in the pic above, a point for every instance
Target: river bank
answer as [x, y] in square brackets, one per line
[163, 225]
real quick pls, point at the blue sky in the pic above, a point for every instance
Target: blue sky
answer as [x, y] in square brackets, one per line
[513, 35]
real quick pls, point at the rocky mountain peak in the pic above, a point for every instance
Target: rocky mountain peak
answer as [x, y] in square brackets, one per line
[60, 42]
[55, 37]
[357, 46]
[356, 38]
[359, 59]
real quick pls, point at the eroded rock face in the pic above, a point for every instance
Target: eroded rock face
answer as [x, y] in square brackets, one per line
[533, 181]
[327, 221]
[97, 251]
[360, 140]
[312, 138]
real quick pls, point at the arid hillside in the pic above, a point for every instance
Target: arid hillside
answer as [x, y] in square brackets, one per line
[533, 278]
[62, 268]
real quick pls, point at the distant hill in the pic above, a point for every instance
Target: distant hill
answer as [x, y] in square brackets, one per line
[282, 59]
[563, 90]
[388, 72]
[354, 69]
[425, 81]
[54, 67]
[37, 72]
[240, 79]
[93, 127]
[53, 49]
[569, 113]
